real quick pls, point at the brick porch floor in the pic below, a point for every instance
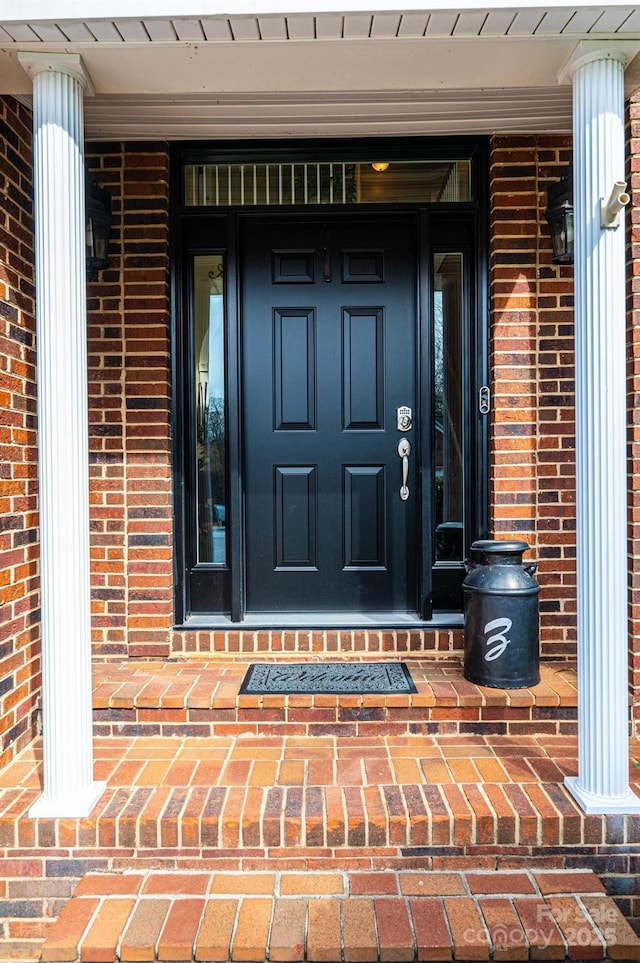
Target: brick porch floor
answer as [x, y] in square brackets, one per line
[202, 699]
[456, 779]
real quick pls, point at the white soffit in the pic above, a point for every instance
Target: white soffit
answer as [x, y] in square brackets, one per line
[165, 20]
[272, 69]
[266, 22]
[29, 10]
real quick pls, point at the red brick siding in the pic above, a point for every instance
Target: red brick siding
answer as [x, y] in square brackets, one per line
[20, 674]
[532, 449]
[532, 470]
[441, 641]
[556, 510]
[533, 475]
[130, 467]
[532, 466]
[129, 392]
[633, 391]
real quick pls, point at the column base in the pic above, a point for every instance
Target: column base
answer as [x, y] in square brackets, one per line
[76, 805]
[594, 804]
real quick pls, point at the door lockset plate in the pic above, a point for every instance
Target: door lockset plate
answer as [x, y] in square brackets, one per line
[404, 418]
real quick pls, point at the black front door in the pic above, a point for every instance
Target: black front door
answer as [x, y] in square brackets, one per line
[328, 328]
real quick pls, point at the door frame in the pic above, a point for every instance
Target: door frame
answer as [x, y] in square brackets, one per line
[458, 226]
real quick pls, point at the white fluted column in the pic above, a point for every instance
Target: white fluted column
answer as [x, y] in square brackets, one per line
[58, 88]
[602, 783]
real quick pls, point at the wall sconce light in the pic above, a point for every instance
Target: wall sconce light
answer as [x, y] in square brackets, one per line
[559, 215]
[381, 166]
[98, 227]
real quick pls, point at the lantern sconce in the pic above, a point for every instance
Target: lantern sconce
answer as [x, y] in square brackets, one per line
[559, 215]
[98, 227]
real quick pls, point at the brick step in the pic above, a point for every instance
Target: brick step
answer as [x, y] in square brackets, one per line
[331, 916]
[331, 803]
[256, 794]
[195, 698]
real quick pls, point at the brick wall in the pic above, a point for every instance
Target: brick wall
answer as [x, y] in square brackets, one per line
[532, 472]
[19, 584]
[129, 392]
[633, 389]
[533, 462]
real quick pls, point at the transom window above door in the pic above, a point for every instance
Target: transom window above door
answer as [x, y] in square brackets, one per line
[367, 182]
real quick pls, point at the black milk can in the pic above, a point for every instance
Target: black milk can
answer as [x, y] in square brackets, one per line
[501, 639]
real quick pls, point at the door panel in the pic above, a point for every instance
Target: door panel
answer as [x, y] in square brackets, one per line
[328, 355]
[295, 517]
[365, 537]
[363, 368]
[294, 370]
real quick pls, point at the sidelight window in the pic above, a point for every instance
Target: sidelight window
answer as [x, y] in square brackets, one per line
[209, 407]
[448, 408]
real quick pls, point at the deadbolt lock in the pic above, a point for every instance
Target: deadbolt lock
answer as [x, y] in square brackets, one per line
[405, 418]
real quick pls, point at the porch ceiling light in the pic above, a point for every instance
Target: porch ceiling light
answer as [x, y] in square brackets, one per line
[98, 227]
[559, 215]
[380, 166]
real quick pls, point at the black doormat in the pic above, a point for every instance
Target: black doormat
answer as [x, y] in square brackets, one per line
[327, 678]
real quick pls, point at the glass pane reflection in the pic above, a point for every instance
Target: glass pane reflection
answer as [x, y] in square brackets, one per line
[447, 375]
[373, 182]
[210, 408]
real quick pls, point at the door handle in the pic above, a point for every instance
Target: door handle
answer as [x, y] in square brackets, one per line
[404, 450]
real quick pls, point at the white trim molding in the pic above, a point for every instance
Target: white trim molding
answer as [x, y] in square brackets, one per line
[36, 63]
[591, 52]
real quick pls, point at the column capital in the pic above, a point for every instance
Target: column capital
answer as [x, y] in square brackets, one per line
[590, 51]
[71, 64]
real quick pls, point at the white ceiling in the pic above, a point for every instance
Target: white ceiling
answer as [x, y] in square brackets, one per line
[265, 72]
